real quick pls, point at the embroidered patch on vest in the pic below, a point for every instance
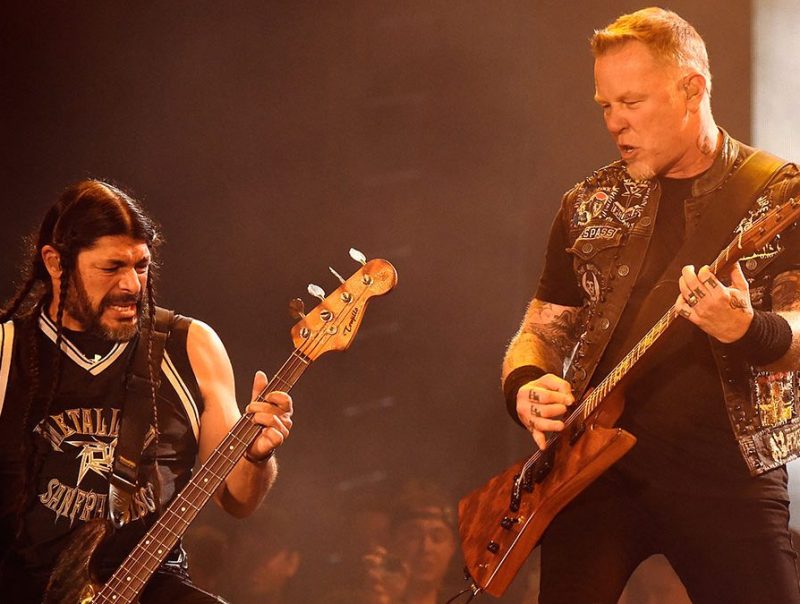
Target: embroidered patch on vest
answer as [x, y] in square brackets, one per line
[632, 201]
[594, 207]
[592, 282]
[600, 232]
[774, 397]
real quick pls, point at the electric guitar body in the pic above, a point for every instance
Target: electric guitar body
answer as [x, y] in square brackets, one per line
[501, 522]
[526, 498]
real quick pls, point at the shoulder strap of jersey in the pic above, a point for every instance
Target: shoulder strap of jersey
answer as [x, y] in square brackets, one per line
[6, 348]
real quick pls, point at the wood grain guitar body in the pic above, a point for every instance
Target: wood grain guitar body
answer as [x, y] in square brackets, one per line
[522, 501]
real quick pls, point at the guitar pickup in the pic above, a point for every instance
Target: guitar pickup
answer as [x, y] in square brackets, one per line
[544, 466]
[577, 432]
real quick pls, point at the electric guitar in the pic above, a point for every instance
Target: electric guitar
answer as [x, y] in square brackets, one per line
[331, 325]
[501, 522]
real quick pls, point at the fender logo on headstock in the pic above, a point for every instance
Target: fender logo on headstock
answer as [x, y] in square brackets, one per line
[353, 316]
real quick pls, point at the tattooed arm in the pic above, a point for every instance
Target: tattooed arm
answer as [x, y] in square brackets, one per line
[545, 340]
[786, 302]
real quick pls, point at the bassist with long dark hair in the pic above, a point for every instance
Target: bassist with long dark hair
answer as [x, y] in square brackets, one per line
[106, 401]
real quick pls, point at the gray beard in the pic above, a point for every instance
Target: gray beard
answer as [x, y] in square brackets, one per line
[641, 172]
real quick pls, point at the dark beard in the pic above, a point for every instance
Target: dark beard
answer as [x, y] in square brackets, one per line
[80, 308]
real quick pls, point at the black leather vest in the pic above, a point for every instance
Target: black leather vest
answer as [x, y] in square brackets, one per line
[610, 219]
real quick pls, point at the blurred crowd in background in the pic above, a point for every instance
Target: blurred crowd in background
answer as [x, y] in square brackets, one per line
[391, 547]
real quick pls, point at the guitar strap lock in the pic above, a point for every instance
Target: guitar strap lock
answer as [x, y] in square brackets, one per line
[137, 415]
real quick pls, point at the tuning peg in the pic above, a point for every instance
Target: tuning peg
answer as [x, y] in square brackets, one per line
[358, 256]
[297, 309]
[316, 291]
[335, 274]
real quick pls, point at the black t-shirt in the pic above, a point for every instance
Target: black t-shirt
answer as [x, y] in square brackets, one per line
[675, 409]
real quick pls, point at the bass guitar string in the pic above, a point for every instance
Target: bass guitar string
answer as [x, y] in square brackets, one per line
[168, 541]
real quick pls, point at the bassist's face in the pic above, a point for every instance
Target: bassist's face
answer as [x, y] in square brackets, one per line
[106, 289]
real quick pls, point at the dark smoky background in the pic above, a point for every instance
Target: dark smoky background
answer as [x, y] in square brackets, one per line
[267, 138]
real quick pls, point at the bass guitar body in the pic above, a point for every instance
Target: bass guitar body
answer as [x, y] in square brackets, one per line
[73, 580]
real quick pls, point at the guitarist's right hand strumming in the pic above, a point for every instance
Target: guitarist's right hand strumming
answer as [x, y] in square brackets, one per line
[540, 404]
[535, 394]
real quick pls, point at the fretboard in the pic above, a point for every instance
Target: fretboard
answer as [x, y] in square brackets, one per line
[724, 262]
[129, 579]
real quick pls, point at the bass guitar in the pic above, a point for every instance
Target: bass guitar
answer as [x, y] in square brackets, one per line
[501, 522]
[331, 325]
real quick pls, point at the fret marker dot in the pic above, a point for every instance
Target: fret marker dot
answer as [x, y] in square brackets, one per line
[205, 479]
[160, 551]
[147, 542]
[230, 448]
[127, 578]
[183, 509]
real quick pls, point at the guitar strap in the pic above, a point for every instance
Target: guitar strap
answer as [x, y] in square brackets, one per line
[725, 210]
[137, 414]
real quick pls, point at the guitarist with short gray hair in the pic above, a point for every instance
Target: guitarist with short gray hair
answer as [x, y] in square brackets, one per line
[715, 409]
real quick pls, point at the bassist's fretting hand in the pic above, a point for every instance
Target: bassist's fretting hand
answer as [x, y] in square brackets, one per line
[274, 413]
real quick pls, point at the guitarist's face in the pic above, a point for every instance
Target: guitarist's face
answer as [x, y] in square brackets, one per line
[106, 290]
[651, 110]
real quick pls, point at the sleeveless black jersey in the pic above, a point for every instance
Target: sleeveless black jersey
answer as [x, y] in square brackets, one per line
[76, 439]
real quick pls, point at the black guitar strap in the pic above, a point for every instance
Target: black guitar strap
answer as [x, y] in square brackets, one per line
[137, 414]
[727, 208]
[725, 211]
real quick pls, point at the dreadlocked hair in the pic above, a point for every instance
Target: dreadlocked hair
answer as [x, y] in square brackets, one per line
[85, 212]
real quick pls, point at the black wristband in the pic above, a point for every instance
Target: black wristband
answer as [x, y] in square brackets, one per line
[515, 380]
[258, 462]
[766, 340]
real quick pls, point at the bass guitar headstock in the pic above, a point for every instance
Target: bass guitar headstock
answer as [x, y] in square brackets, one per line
[333, 323]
